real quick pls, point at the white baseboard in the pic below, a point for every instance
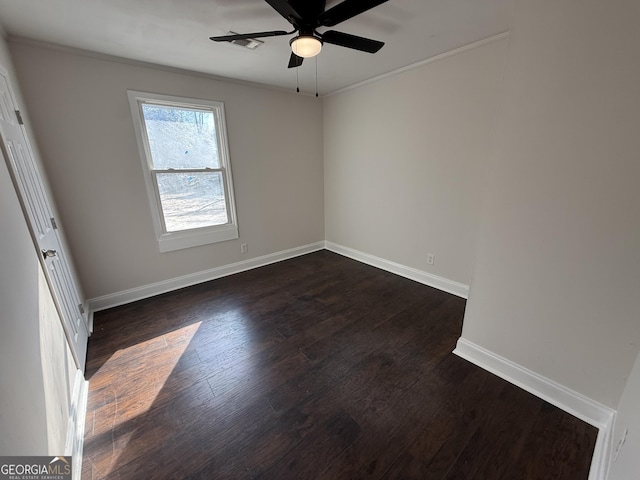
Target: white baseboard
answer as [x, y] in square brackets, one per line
[441, 283]
[127, 296]
[572, 402]
[75, 428]
[146, 291]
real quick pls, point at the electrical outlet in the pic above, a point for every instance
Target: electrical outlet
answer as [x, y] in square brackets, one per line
[244, 248]
[431, 258]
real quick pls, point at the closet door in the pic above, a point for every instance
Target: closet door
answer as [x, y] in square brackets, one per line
[44, 230]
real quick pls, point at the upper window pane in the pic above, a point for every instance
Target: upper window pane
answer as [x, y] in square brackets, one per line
[181, 137]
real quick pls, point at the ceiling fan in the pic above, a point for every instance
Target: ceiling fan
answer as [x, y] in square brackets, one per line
[308, 15]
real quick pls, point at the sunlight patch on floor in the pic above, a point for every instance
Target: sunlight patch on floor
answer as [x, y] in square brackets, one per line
[159, 356]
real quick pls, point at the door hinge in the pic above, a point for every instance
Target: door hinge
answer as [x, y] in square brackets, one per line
[54, 224]
[19, 117]
[81, 308]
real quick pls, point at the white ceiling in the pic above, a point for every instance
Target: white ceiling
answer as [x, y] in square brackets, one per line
[176, 33]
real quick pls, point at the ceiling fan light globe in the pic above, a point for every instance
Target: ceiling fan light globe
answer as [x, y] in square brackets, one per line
[306, 46]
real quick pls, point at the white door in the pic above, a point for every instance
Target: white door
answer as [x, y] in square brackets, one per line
[42, 224]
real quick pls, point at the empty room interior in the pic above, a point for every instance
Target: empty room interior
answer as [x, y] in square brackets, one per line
[411, 253]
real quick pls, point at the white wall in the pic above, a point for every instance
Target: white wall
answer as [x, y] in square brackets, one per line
[627, 464]
[36, 376]
[405, 157]
[555, 287]
[83, 124]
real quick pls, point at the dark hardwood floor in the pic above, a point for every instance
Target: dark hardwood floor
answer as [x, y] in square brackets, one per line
[318, 367]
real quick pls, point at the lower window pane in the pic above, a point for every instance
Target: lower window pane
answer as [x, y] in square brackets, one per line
[192, 200]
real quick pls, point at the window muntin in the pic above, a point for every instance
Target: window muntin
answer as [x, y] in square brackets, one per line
[184, 151]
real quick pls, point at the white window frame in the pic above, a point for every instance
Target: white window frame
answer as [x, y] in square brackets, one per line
[169, 241]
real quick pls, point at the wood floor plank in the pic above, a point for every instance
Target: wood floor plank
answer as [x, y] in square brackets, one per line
[317, 367]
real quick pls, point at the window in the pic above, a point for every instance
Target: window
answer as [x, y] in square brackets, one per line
[183, 147]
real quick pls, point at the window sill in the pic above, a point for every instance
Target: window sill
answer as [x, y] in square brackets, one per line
[169, 242]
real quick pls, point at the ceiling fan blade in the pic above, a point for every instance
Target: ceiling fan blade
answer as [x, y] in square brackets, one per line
[286, 10]
[346, 10]
[295, 60]
[352, 41]
[243, 36]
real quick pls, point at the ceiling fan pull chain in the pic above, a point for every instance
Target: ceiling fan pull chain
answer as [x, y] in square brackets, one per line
[316, 76]
[297, 82]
